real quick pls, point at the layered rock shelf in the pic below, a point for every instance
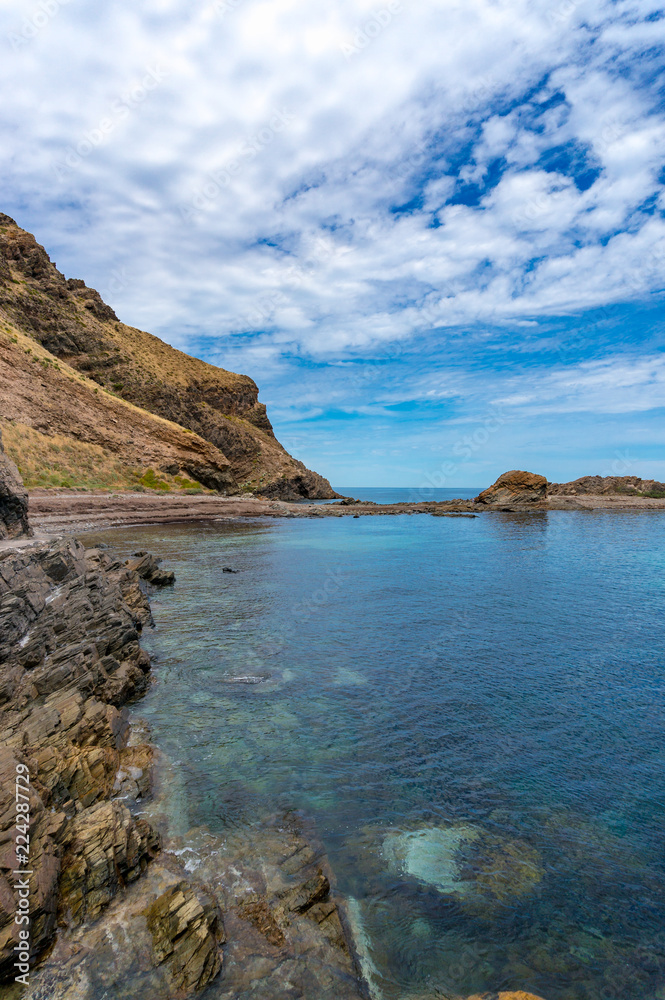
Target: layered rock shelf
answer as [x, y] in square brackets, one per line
[112, 906]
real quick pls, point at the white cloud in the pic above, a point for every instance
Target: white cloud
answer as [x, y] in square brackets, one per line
[288, 160]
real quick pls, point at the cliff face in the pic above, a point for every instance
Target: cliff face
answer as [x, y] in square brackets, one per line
[72, 324]
[13, 500]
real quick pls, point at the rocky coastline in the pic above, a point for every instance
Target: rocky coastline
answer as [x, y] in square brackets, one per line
[116, 907]
[112, 902]
[59, 511]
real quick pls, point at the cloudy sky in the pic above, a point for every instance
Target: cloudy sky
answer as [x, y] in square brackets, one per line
[433, 231]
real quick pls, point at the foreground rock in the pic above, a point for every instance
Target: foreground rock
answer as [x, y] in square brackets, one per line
[281, 935]
[69, 625]
[13, 499]
[118, 914]
[515, 490]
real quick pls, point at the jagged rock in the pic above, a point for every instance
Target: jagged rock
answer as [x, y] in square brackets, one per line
[608, 486]
[133, 779]
[147, 567]
[186, 929]
[70, 657]
[515, 491]
[13, 499]
[106, 848]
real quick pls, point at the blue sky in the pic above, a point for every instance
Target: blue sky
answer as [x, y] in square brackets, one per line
[432, 232]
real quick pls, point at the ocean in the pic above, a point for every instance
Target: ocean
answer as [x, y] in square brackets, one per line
[471, 711]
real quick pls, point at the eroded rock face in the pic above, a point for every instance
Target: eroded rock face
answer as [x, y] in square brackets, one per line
[147, 567]
[70, 620]
[186, 929]
[105, 849]
[515, 490]
[13, 499]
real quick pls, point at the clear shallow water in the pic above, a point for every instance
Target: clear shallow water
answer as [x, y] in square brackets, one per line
[471, 710]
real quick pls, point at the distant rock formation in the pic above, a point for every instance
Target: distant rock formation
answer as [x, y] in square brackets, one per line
[515, 490]
[607, 486]
[13, 499]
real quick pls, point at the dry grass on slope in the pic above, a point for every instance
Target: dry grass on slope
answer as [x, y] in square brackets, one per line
[55, 460]
[63, 429]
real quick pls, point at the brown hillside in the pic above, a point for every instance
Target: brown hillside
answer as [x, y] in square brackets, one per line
[72, 324]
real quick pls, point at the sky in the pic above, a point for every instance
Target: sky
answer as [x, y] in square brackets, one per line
[432, 232]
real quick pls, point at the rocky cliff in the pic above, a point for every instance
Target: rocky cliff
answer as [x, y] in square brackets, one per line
[13, 499]
[70, 351]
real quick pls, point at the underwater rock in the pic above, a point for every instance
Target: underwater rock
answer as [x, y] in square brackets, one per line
[431, 855]
[245, 678]
[464, 861]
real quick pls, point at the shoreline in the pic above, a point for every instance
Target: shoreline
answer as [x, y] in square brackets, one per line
[57, 512]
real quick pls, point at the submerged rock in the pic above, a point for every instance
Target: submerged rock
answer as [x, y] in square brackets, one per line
[245, 678]
[515, 490]
[432, 855]
[464, 861]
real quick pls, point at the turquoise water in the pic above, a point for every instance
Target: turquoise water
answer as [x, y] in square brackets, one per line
[410, 494]
[470, 709]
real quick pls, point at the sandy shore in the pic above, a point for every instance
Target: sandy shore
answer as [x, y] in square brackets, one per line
[57, 511]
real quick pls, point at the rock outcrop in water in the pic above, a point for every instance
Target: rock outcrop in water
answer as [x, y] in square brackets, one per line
[515, 490]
